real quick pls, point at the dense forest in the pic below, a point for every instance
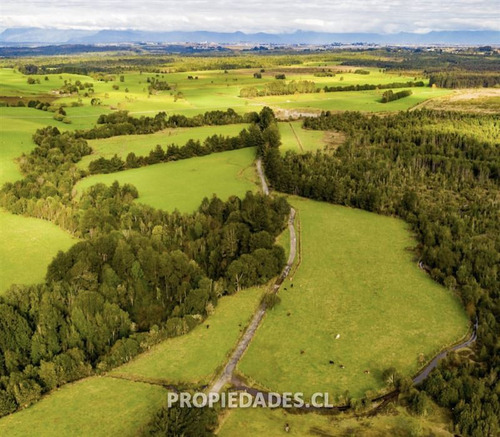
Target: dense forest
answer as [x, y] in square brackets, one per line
[138, 275]
[441, 173]
[461, 79]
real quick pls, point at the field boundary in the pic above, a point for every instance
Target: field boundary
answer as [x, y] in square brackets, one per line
[296, 137]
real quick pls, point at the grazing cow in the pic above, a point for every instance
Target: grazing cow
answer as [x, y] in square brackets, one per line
[286, 289]
[291, 285]
[208, 326]
[367, 372]
[332, 362]
[337, 336]
[342, 366]
[302, 352]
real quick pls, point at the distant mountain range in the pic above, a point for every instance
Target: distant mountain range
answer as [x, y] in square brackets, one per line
[19, 36]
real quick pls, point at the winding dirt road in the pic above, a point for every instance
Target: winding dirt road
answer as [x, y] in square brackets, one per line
[433, 364]
[265, 188]
[227, 374]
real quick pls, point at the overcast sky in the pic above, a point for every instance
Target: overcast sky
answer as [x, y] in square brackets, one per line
[382, 16]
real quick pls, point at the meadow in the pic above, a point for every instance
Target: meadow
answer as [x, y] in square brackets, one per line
[363, 101]
[293, 137]
[27, 246]
[397, 423]
[194, 92]
[299, 140]
[357, 279]
[195, 357]
[97, 406]
[182, 185]
[18, 127]
[141, 145]
[358, 282]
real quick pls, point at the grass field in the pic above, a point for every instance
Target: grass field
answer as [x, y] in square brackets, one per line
[356, 279]
[365, 101]
[481, 100]
[97, 406]
[17, 128]
[141, 145]
[183, 184]
[213, 89]
[252, 422]
[27, 246]
[293, 137]
[194, 357]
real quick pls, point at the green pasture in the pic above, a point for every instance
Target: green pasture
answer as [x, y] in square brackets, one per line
[365, 101]
[141, 145]
[397, 423]
[215, 89]
[27, 246]
[195, 357]
[15, 84]
[183, 184]
[17, 128]
[357, 280]
[301, 141]
[97, 406]
[294, 137]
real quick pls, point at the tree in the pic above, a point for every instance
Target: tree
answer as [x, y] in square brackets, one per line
[182, 422]
[391, 376]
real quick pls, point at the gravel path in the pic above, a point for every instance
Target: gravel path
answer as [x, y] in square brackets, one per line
[227, 374]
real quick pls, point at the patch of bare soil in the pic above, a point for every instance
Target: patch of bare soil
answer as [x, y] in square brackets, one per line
[333, 139]
[484, 100]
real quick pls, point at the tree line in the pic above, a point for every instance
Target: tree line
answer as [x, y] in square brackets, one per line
[250, 137]
[367, 86]
[306, 87]
[121, 123]
[440, 172]
[280, 88]
[390, 96]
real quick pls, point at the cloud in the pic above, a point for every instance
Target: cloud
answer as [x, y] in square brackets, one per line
[386, 16]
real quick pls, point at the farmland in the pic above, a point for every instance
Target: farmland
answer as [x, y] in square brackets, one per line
[293, 137]
[250, 422]
[364, 101]
[349, 285]
[370, 292]
[182, 185]
[28, 246]
[192, 92]
[120, 407]
[141, 145]
[212, 340]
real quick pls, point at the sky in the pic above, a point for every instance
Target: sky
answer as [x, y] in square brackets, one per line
[274, 16]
